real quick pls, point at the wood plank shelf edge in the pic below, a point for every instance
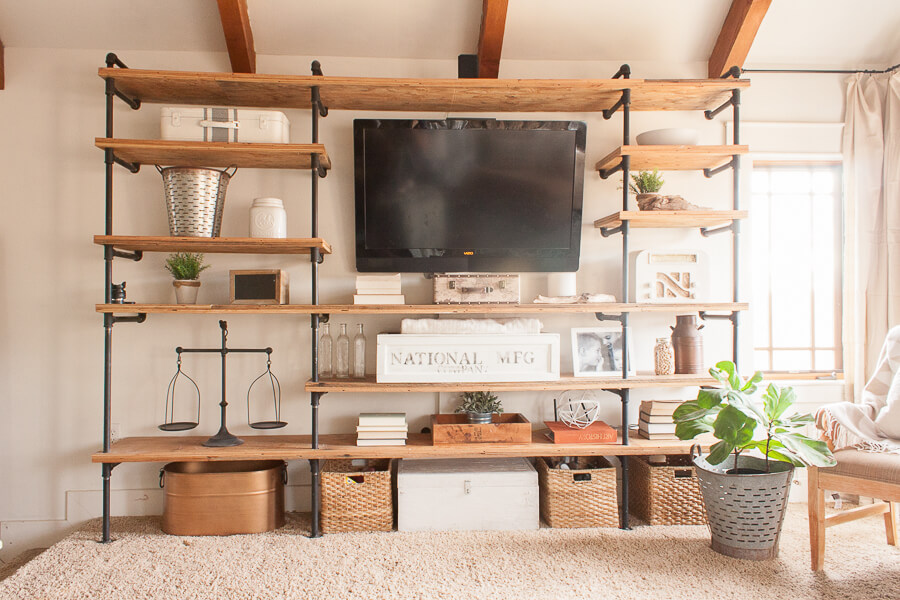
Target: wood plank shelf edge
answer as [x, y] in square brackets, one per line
[213, 245]
[671, 218]
[298, 447]
[672, 158]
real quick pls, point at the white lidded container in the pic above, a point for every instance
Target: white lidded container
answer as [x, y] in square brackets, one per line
[211, 124]
[268, 218]
[467, 494]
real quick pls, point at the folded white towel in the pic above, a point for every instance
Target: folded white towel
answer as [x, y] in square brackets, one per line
[470, 326]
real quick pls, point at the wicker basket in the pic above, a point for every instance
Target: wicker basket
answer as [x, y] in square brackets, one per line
[580, 497]
[354, 499]
[665, 493]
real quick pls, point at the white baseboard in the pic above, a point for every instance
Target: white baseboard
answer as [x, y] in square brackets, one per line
[82, 505]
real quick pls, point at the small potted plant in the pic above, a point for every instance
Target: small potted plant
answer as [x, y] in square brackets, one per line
[744, 495]
[645, 185]
[479, 406]
[186, 267]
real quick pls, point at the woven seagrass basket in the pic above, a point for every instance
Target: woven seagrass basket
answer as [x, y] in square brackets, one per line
[354, 499]
[581, 497]
[665, 493]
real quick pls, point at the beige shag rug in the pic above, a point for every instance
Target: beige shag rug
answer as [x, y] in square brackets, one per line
[549, 564]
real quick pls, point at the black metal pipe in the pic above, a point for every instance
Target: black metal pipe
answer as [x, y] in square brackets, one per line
[625, 516]
[315, 471]
[827, 71]
[626, 117]
[707, 232]
[608, 231]
[133, 167]
[136, 256]
[106, 471]
[138, 318]
[605, 173]
[736, 225]
[113, 61]
[624, 72]
[711, 114]
[712, 172]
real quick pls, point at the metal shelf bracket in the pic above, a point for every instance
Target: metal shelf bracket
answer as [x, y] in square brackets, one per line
[138, 318]
[735, 100]
[601, 316]
[608, 231]
[136, 256]
[625, 101]
[605, 173]
[707, 232]
[732, 316]
[729, 165]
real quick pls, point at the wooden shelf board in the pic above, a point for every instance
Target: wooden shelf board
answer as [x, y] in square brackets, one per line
[672, 158]
[441, 95]
[213, 245]
[215, 154]
[565, 382]
[426, 309]
[671, 218]
[297, 447]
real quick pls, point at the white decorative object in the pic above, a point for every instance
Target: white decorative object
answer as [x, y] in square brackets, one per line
[431, 326]
[268, 218]
[673, 136]
[578, 408]
[478, 288]
[561, 284]
[211, 124]
[417, 358]
[579, 299]
[597, 352]
[467, 494]
[670, 276]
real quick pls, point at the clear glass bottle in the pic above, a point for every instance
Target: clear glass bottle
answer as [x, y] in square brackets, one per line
[343, 353]
[359, 353]
[326, 353]
[664, 357]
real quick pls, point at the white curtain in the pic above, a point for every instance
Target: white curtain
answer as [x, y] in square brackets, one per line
[871, 148]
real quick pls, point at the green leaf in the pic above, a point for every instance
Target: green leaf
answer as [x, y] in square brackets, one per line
[802, 419]
[728, 367]
[775, 451]
[747, 405]
[718, 452]
[689, 411]
[710, 398]
[807, 450]
[750, 386]
[777, 400]
[691, 429]
[734, 427]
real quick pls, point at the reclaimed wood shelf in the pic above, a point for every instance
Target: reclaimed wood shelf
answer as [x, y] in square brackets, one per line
[214, 245]
[672, 158]
[428, 309]
[406, 94]
[671, 218]
[297, 447]
[216, 154]
[565, 382]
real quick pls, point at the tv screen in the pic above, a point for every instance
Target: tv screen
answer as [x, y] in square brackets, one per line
[476, 195]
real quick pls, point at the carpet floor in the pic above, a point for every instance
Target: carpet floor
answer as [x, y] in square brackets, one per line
[558, 564]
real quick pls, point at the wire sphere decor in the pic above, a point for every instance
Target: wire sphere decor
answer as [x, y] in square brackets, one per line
[578, 408]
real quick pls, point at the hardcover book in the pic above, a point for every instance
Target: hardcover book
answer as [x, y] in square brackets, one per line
[595, 433]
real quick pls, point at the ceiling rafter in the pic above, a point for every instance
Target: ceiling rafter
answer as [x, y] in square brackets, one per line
[490, 38]
[737, 35]
[238, 35]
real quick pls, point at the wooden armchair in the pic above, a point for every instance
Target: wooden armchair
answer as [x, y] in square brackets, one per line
[871, 474]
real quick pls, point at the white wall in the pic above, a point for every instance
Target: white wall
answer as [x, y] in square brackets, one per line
[52, 340]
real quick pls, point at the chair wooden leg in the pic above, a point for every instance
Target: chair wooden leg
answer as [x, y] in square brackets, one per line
[890, 523]
[816, 499]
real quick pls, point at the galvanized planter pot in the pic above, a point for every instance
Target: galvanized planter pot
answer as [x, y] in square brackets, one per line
[745, 511]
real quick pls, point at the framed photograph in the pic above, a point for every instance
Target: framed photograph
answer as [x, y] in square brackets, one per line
[597, 351]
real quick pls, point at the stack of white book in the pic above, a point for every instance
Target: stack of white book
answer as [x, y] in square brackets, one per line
[378, 289]
[655, 422]
[381, 429]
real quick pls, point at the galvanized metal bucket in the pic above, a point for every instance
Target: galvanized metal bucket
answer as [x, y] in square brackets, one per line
[195, 199]
[745, 510]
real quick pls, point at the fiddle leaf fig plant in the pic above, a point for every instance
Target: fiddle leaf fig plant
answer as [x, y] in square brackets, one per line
[479, 402]
[734, 414]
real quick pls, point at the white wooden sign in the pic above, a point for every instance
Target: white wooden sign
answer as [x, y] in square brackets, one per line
[421, 358]
[670, 276]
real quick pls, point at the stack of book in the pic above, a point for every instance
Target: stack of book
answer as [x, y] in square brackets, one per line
[378, 289]
[381, 429]
[655, 421]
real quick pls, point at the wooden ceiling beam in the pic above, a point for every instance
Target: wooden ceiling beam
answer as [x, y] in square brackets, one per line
[737, 35]
[490, 39]
[238, 35]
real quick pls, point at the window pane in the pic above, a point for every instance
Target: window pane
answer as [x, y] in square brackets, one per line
[760, 181]
[760, 268]
[791, 181]
[792, 360]
[825, 360]
[761, 361]
[790, 270]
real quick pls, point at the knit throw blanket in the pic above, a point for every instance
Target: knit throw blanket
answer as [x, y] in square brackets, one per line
[873, 424]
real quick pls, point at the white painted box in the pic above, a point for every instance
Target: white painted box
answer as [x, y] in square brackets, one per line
[666, 275]
[424, 358]
[210, 124]
[467, 494]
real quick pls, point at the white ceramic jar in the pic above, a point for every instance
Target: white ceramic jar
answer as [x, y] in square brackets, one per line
[268, 219]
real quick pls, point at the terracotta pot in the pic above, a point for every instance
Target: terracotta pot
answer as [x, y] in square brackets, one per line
[688, 345]
[186, 291]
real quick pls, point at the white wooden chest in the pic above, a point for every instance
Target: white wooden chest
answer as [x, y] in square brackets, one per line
[199, 124]
[467, 494]
[422, 358]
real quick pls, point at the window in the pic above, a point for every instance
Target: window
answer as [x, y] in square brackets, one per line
[797, 266]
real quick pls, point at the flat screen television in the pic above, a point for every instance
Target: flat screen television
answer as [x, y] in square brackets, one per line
[468, 195]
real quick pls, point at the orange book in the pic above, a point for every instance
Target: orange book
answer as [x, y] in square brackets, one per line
[595, 433]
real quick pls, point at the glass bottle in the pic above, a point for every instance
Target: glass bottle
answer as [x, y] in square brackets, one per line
[664, 357]
[326, 353]
[359, 353]
[343, 353]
